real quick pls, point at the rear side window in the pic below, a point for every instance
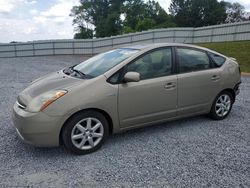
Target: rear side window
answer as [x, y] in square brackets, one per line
[217, 59]
[192, 60]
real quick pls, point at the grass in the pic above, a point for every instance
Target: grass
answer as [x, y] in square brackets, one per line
[238, 49]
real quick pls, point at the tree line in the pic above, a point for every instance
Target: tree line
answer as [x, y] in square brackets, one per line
[105, 18]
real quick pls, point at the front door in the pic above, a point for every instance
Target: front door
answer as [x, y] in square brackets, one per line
[154, 97]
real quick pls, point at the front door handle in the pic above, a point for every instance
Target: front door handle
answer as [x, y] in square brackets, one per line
[215, 77]
[169, 85]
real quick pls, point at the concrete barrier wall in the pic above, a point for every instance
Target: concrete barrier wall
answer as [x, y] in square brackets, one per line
[216, 33]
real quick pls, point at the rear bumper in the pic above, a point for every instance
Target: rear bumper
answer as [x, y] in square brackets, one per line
[237, 88]
[38, 129]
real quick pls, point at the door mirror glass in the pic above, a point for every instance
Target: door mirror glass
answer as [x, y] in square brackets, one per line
[132, 77]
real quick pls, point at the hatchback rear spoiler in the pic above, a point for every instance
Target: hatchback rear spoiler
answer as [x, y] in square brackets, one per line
[232, 58]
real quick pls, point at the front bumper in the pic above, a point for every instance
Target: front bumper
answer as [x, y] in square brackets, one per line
[38, 129]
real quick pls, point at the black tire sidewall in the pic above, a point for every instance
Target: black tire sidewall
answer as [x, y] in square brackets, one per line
[213, 113]
[69, 125]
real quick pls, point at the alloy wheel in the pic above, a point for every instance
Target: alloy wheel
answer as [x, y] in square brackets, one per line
[87, 133]
[223, 105]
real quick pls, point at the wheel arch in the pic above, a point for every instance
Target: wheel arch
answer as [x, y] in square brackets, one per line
[231, 91]
[104, 113]
[212, 112]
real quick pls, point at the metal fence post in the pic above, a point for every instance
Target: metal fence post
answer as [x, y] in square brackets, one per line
[193, 31]
[212, 34]
[153, 32]
[92, 47]
[15, 50]
[53, 46]
[235, 32]
[33, 48]
[173, 35]
[73, 46]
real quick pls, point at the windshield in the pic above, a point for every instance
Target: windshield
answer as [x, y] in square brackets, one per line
[101, 63]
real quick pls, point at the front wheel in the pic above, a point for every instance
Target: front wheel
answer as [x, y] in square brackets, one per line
[222, 106]
[85, 132]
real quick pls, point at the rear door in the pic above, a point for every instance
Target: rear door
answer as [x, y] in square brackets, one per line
[198, 81]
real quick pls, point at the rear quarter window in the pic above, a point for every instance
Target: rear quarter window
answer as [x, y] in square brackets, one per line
[218, 60]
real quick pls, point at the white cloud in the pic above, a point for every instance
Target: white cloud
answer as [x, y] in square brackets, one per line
[26, 30]
[33, 11]
[58, 13]
[64, 33]
[62, 9]
[53, 23]
[6, 6]
[31, 2]
[245, 4]
[30, 30]
[165, 4]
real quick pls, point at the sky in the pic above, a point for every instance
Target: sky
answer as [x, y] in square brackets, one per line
[28, 20]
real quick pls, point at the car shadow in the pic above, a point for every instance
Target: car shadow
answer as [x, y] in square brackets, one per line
[121, 138]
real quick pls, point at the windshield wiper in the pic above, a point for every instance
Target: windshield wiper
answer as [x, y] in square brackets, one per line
[78, 72]
[70, 70]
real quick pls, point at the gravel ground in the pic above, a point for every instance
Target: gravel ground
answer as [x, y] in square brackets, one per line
[194, 152]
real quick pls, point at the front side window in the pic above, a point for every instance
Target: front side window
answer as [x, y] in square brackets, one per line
[101, 63]
[192, 60]
[154, 64]
[114, 79]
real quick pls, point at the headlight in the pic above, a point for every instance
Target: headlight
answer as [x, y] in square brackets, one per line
[42, 101]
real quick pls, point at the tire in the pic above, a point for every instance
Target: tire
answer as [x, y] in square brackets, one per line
[222, 106]
[85, 132]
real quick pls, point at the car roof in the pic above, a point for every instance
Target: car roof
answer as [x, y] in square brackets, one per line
[157, 45]
[137, 47]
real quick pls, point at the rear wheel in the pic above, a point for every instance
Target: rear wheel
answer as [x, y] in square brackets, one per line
[222, 106]
[85, 132]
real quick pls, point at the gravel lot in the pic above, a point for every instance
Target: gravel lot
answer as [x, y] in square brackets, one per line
[194, 152]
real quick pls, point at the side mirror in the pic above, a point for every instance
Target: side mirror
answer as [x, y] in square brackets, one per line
[132, 77]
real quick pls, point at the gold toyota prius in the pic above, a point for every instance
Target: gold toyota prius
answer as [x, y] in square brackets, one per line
[122, 89]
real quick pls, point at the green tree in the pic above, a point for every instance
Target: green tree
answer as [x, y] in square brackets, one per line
[83, 33]
[159, 15]
[82, 21]
[196, 13]
[133, 11]
[235, 12]
[145, 24]
[127, 29]
[141, 15]
[102, 16]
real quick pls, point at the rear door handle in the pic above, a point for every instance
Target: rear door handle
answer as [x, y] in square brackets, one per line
[169, 85]
[215, 77]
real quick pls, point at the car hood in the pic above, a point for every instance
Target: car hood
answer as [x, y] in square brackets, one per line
[53, 81]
